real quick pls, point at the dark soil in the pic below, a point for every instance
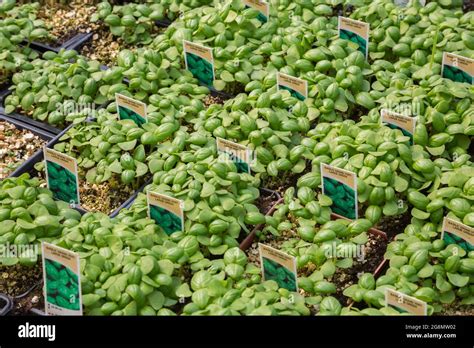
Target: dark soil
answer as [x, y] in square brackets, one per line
[35, 299]
[343, 278]
[285, 180]
[393, 225]
[266, 201]
[104, 47]
[211, 99]
[24, 285]
[66, 20]
[456, 308]
[18, 279]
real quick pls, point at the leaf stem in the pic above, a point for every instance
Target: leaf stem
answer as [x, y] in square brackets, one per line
[434, 48]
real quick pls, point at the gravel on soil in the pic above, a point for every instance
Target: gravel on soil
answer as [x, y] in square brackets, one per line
[16, 146]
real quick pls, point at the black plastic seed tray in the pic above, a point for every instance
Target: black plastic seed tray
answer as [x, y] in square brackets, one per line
[6, 304]
[165, 23]
[221, 94]
[25, 119]
[43, 47]
[79, 41]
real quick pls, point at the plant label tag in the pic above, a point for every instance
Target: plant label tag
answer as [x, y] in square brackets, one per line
[401, 3]
[404, 303]
[278, 266]
[61, 176]
[166, 211]
[130, 109]
[200, 62]
[298, 88]
[406, 124]
[355, 31]
[457, 233]
[239, 154]
[341, 186]
[261, 6]
[457, 68]
[62, 280]
[405, 3]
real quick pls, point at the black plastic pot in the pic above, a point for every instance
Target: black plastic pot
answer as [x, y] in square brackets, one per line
[165, 23]
[29, 167]
[48, 137]
[6, 304]
[78, 41]
[4, 87]
[42, 47]
[25, 119]
[30, 121]
[221, 94]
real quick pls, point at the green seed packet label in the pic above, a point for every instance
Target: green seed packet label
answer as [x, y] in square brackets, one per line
[341, 186]
[404, 303]
[62, 283]
[239, 154]
[398, 121]
[131, 109]
[261, 6]
[278, 266]
[200, 62]
[297, 87]
[166, 211]
[61, 175]
[355, 31]
[457, 68]
[455, 232]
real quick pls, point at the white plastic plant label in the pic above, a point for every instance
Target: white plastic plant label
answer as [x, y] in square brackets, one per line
[406, 124]
[261, 6]
[61, 175]
[131, 109]
[62, 283]
[401, 3]
[355, 31]
[166, 211]
[298, 88]
[239, 154]
[404, 303]
[278, 266]
[455, 232]
[457, 68]
[200, 62]
[341, 186]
